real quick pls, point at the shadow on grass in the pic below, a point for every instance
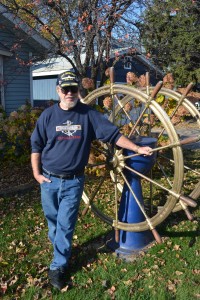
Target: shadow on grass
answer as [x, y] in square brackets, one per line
[168, 227]
[87, 253]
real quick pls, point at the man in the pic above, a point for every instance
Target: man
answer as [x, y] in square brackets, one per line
[60, 150]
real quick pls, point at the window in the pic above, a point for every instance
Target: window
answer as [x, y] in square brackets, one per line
[128, 62]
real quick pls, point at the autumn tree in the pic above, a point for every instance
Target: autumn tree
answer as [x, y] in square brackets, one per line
[170, 32]
[81, 31]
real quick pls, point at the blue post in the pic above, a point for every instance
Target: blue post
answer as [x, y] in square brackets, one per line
[129, 211]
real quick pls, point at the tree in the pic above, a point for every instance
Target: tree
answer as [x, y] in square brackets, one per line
[171, 33]
[81, 27]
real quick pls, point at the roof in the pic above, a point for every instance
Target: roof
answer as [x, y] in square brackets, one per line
[53, 66]
[139, 56]
[34, 35]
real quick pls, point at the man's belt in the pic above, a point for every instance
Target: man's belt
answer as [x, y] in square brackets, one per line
[64, 176]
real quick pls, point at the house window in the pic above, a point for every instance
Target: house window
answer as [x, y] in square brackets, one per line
[128, 62]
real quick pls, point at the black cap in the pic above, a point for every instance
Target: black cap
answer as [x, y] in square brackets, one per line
[67, 78]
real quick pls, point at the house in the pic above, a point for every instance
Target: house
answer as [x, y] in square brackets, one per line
[46, 73]
[19, 46]
[44, 79]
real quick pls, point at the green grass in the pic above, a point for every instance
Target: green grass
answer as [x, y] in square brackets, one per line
[166, 271]
[170, 270]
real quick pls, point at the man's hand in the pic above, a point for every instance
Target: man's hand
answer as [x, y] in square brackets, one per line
[40, 178]
[36, 166]
[144, 150]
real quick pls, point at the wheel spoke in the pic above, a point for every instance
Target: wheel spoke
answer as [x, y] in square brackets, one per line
[95, 165]
[186, 141]
[171, 192]
[185, 167]
[153, 181]
[151, 227]
[164, 173]
[92, 196]
[100, 150]
[116, 209]
[137, 200]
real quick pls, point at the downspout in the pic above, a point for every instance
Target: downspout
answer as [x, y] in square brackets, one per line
[31, 81]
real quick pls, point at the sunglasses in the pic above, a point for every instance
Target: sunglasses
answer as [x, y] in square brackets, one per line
[73, 89]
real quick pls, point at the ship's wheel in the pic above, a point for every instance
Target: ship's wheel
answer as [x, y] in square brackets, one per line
[137, 115]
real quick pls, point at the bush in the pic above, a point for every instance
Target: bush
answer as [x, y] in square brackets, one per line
[15, 132]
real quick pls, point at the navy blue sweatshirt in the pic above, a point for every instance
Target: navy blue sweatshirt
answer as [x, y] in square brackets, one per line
[63, 137]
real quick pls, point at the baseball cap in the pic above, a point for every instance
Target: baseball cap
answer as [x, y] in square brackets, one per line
[67, 78]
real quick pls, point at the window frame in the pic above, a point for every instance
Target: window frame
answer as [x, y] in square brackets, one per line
[128, 62]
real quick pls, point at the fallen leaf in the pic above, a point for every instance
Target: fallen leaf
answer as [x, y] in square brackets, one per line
[146, 271]
[112, 290]
[197, 295]
[177, 247]
[4, 287]
[123, 270]
[13, 280]
[178, 273]
[171, 287]
[155, 267]
[128, 282]
[89, 280]
[196, 271]
[65, 289]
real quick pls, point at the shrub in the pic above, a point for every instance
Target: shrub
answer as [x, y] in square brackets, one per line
[15, 132]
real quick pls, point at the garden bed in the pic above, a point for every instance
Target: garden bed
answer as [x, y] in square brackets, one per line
[15, 178]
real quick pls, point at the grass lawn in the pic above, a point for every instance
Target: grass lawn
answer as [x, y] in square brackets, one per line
[170, 270]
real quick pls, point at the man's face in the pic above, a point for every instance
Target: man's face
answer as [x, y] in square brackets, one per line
[68, 96]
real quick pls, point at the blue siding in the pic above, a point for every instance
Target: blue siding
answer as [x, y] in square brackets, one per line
[17, 90]
[44, 89]
[137, 67]
[17, 77]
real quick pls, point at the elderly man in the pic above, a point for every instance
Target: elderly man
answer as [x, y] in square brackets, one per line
[60, 150]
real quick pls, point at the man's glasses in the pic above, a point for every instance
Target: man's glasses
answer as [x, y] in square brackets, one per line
[73, 89]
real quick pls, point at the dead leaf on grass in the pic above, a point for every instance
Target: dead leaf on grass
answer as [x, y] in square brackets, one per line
[178, 273]
[171, 286]
[146, 271]
[124, 270]
[177, 247]
[13, 280]
[3, 287]
[196, 271]
[65, 289]
[112, 290]
[128, 282]
[197, 296]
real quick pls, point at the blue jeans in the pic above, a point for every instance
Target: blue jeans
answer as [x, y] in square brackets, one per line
[60, 202]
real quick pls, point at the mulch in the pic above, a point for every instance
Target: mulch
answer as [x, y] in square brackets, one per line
[16, 179]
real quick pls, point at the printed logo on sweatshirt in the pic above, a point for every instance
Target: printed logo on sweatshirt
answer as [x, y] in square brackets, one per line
[68, 128]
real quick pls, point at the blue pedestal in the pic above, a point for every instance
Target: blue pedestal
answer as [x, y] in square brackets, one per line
[129, 211]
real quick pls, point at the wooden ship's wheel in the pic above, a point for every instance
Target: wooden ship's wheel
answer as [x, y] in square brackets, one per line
[137, 115]
[181, 103]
